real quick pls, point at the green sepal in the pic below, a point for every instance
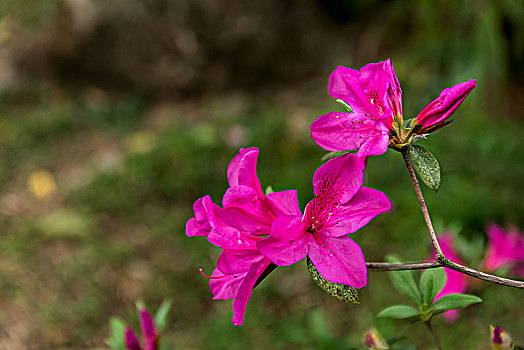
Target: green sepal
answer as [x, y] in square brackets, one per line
[453, 302]
[426, 166]
[341, 291]
[399, 312]
[431, 283]
[345, 105]
[404, 282]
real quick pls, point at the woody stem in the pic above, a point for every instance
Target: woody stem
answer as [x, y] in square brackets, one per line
[421, 201]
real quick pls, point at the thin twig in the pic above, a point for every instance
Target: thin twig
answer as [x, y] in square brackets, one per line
[436, 339]
[444, 262]
[383, 266]
[421, 201]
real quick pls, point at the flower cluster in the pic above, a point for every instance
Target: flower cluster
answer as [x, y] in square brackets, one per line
[505, 250]
[258, 231]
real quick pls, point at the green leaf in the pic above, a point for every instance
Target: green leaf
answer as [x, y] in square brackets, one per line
[116, 336]
[341, 291]
[426, 166]
[431, 283]
[399, 312]
[161, 315]
[404, 282]
[345, 105]
[453, 302]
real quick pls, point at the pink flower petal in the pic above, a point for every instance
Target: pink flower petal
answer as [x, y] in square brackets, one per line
[130, 340]
[205, 217]
[284, 203]
[287, 243]
[340, 261]
[147, 325]
[348, 132]
[244, 291]
[360, 210]
[243, 170]
[230, 238]
[443, 107]
[505, 248]
[234, 262]
[339, 179]
[223, 286]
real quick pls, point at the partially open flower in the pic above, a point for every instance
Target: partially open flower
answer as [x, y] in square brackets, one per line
[149, 333]
[500, 339]
[373, 340]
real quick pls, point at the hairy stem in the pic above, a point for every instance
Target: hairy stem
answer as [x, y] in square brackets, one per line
[436, 339]
[421, 201]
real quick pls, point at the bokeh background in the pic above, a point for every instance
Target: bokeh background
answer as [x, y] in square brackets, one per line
[115, 116]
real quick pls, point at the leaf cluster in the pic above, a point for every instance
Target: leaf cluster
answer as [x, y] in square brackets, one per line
[422, 295]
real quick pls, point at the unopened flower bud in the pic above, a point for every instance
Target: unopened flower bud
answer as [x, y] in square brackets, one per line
[373, 340]
[500, 340]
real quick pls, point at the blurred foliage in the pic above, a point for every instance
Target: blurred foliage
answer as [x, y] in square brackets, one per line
[127, 168]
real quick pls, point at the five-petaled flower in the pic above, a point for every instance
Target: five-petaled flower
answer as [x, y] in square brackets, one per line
[244, 220]
[341, 206]
[149, 333]
[376, 120]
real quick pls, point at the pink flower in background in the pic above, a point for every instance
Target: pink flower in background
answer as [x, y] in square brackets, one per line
[149, 333]
[375, 97]
[244, 220]
[341, 206]
[443, 107]
[505, 249]
[456, 281]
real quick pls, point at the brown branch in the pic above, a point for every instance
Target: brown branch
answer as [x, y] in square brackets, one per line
[442, 261]
[421, 201]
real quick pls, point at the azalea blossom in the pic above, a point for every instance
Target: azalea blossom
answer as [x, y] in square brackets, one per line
[456, 282]
[244, 220]
[505, 249]
[376, 120]
[341, 206]
[149, 333]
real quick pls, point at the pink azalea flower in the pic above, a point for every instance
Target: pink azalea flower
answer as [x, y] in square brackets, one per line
[244, 220]
[505, 248]
[375, 96]
[149, 333]
[341, 206]
[456, 281]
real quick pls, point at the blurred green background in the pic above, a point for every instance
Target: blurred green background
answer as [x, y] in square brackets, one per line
[116, 116]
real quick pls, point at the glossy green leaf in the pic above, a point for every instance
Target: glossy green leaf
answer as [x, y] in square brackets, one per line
[404, 282]
[431, 283]
[453, 302]
[399, 312]
[341, 291]
[426, 166]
